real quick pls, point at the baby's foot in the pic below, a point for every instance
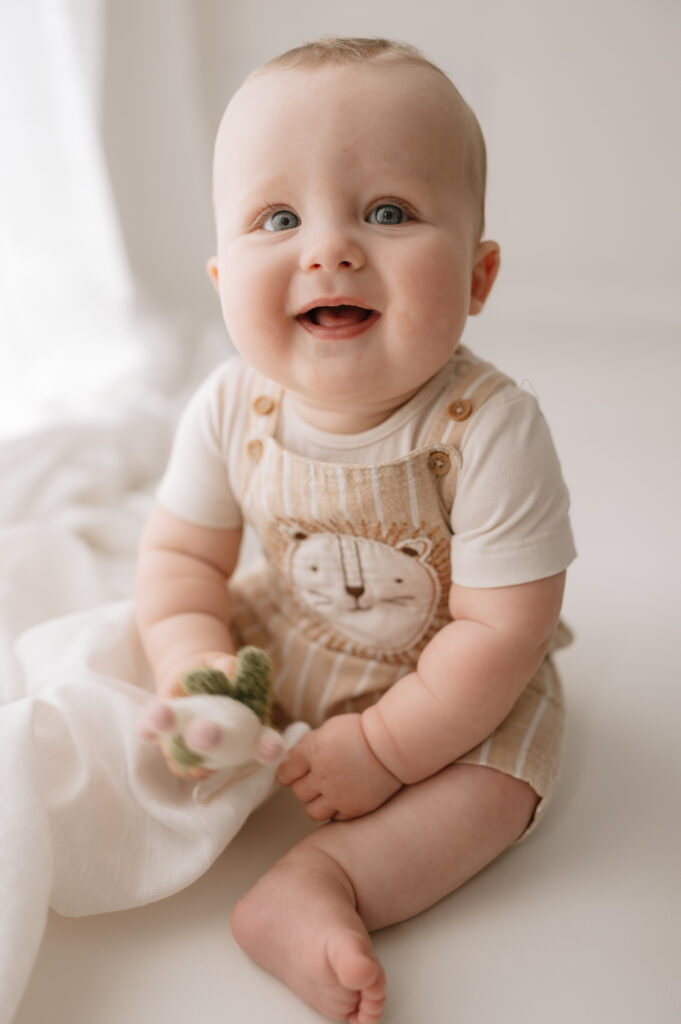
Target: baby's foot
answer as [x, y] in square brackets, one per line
[300, 923]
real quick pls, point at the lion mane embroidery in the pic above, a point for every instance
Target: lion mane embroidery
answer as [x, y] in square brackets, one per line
[369, 591]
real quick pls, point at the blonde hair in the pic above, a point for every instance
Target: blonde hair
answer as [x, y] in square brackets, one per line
[330, 50]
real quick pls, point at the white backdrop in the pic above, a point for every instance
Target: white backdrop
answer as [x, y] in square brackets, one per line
[107, 113]
[109, 108]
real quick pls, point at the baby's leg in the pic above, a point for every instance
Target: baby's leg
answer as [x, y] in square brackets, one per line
[307, 920]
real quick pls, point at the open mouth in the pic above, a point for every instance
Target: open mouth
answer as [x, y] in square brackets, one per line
[337, 321]
[336, 316]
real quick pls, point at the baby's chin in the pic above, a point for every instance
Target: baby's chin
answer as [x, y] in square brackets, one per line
[344, 410]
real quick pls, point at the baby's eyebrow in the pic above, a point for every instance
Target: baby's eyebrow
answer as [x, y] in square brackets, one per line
[254, 201]
[268, 184]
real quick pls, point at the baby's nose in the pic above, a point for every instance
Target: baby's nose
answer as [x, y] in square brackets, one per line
[333, 250]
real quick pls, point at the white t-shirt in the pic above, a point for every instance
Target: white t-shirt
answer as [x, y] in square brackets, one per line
[509, 517]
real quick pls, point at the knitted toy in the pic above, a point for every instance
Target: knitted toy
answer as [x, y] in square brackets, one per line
[222, 723]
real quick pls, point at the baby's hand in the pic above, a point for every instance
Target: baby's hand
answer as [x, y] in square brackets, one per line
[154, 724]
[334, 773]
[171, 686]
[157, 724]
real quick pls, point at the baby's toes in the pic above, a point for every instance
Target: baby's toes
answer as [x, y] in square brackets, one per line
[355, 965]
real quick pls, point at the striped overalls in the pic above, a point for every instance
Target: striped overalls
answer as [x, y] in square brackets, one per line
[356, 574]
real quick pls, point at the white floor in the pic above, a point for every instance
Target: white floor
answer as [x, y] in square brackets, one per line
[580, 923]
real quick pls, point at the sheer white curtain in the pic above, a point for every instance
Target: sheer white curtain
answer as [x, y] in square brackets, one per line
[64, 274]
[104, 208]
[107, 114]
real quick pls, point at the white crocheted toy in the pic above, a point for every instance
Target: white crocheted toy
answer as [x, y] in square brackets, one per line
[222, 723]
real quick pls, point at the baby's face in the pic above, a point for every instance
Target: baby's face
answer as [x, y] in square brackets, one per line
[346, 237]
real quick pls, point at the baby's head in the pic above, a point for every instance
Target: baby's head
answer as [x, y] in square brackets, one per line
[391, 55]
[349, 182]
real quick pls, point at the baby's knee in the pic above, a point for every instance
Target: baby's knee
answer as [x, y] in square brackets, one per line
[511, 800]
[248, 921]
[241, 918]
[520, 798]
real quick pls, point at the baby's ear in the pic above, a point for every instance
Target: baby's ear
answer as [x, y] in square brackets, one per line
[212, 271]
[417, 547]
[485, 269]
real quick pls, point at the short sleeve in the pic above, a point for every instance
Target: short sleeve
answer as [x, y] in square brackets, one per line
[196, 485]
[510, 516]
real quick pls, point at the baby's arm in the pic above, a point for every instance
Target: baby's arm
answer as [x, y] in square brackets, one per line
[181, 597]
[466, 681]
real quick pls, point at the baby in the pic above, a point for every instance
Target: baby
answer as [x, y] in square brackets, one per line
[406, 494]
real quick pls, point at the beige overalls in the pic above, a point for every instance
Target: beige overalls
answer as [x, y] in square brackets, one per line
[356, 574]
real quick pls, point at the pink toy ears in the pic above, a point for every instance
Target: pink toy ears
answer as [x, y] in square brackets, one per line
[270, 747]
[202, 735]
[158, 719]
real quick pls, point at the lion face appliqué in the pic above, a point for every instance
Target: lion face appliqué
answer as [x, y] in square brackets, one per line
[376, 594]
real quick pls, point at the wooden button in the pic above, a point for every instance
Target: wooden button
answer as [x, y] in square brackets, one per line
[263, 405]
[439, 463]
[460, 410]
[254, 449]
[462, 367]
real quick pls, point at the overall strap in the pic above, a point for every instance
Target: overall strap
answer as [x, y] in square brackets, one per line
[475, 381]
[263, 397]
[264, 405]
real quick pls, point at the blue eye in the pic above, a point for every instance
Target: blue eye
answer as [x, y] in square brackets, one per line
[387, 213]
[281, 220]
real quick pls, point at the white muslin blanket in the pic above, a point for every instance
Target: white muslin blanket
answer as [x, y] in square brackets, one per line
[91, 820]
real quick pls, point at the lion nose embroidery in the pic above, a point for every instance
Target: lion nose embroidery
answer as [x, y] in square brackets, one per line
[351, 565]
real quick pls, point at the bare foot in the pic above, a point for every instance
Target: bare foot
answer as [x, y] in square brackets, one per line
[300, 923]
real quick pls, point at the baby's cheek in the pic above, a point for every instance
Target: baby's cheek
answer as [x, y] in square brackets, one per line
[240, 305]
[250, 292]
[429, 302]
[446, 296]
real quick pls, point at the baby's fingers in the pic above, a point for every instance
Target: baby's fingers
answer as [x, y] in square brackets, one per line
[320, 809]
[306, 789]
[293, 768]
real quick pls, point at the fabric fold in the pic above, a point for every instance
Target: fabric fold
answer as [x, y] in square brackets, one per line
[92, 820]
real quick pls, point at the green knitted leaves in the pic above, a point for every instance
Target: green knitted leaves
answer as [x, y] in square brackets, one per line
[251, 683]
